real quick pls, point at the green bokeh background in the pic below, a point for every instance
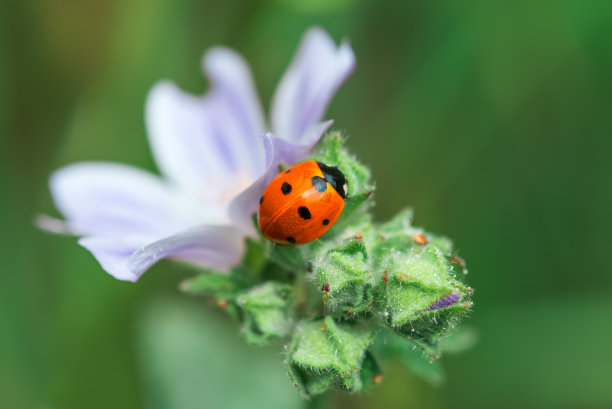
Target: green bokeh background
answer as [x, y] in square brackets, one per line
[491, 119]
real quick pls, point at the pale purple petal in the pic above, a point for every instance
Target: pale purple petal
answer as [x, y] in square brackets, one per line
[209, 143]
[113, 200]
[128, 257]
[443, 302]
[243, 206]
[290, 153]
[316, 73]
[216, 247]
[122, 210]
[215, 164]
[113, 253]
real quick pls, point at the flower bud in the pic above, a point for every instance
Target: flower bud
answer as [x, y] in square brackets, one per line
[267, 311]
[323, 355]
[344, 275]
[422, 298]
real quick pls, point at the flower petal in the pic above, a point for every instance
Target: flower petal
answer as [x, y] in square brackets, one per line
[210, 142]
[128, 257]
[443, 302]
[243, 206]
[289, 153]
[113, 253]
[278, 152]
[115, 200]
[316, 73]
[217, 247]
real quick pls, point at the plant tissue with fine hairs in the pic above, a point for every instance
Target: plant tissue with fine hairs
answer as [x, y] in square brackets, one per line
[360, 295]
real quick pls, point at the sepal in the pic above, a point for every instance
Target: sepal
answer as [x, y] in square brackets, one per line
[344, 276]
[267, 312]
[360, 188]
[421, 297]
[326, 354]
[223, 288]
[391, 347]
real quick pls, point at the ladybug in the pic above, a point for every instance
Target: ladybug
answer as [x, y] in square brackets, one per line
[301, 203]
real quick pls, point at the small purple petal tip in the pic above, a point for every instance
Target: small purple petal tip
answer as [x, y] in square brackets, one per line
[443, 302]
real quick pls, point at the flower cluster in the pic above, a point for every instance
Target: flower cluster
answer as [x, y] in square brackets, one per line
[362, 294]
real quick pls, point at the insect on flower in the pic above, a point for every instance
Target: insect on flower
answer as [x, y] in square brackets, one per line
[216, 154]
[302, 203]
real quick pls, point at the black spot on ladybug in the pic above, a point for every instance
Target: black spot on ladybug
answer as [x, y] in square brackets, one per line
[291, 240]
[261, 200]
[304, 212]
[319, 183]
[286, 188]
[287, 171]
[325, 222]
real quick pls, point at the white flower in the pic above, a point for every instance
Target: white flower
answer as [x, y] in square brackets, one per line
[216, 154]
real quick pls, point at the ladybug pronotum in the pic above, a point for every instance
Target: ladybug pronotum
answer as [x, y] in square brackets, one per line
[301, 203]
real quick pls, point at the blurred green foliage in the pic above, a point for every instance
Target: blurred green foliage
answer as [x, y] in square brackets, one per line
[491, 119]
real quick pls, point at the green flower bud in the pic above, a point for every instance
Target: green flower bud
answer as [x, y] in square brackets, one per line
[328, 354]
[422, 298]
[343, 274]
[392, 279]
[267, 311]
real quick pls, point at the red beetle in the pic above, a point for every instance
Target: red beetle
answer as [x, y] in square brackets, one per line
[301, 203]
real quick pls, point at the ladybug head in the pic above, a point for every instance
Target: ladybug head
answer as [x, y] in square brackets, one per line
[334, 177]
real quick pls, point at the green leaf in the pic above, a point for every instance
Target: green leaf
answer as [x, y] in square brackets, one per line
[291, 258]
[224, 288]
[214, 283]
[392, 347]
[355, 205]
[359, 228]
[400, 224]
[327, 354]
[398, 233]
[359, 195]
[331, 152]
[254, 258]
[370, 372]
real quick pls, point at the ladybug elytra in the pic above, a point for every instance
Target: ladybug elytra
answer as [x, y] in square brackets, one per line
[301, 203]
